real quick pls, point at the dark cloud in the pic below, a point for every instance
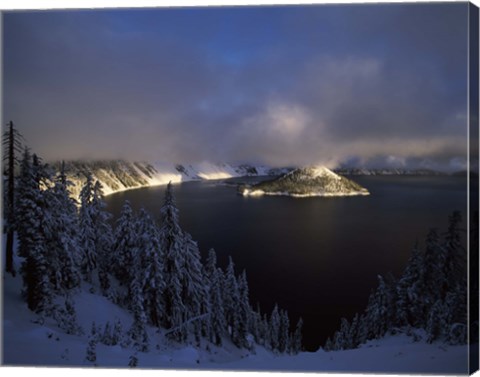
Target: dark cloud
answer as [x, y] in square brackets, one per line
[278, 85]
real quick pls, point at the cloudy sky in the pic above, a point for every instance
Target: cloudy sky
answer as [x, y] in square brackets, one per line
[373, 85]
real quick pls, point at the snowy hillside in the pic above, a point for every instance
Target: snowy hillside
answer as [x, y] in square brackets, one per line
[46, 344]
[119, 175]
[305, 182]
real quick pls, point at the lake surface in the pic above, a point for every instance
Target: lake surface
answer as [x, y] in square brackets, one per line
[316, 257]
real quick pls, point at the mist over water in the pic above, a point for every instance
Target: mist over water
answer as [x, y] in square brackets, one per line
[316, 257]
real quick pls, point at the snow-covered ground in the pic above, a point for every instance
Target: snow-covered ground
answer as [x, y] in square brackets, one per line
[28, 343]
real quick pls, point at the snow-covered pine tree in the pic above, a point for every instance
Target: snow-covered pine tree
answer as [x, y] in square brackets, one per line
[138, 333]
[433, 278]
[382, 313]
[103, 238]
[95, 236]
[284, 332]
[124, 237]
[409, 291]
[87, 230]
[209, 269]
[117, 332]
[265, 328]
[328, 345]
[91, 354]
[133, 361]
[362, 329]
[274, 329]
[244, 308]
[456, 316]
[171, 241]
[61, 235]
[66, 317]
[256, 326]
[231, 299]
[341, 339]
[151, 269]
[218, 324]
[296, 341]
[193, 284]
[455, 260]
[107, 336]
[353, 334]
[436, 322]
[31, 206]
[210, 265]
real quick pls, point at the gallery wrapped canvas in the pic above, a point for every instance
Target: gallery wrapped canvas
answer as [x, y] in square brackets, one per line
[288, 188]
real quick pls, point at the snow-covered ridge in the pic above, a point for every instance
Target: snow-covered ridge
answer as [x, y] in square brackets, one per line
[307, 182]
[120, 175]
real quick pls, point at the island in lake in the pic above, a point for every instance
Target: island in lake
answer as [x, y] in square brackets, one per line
[306, 182]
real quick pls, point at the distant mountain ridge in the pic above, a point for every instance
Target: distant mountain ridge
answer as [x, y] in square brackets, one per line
[306, 182]
[121, 175]
[393, 171]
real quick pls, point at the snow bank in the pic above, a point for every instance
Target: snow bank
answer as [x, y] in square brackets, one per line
[29, 343]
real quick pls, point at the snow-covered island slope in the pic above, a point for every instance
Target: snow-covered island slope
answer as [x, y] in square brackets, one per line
[120, 175]
[30, 343]
[306, 182]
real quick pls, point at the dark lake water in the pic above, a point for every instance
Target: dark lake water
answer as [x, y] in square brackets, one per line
[316, 257]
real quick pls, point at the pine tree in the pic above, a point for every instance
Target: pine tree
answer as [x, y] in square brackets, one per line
[341, 339]
[296, 343]
[87, 230]
[133, 361]
[409, 291]
[138, 333]
[150, 258]
[103, 238]
[436, 323]
[107, 336]
[328, 345]
[455, 260]
[171, 241]
[91, 354]
[353, 334]
[382, 313]
[284, 332]
[124, 244]
[231, 301]
[95, 235]
[433, 277]
[117, 333]
[209, 270]
[210, 265]
[256, 328]
[193, 285]
[66, 317]
[274, 329]
[362, 329]
[12, 145]
[61, 235]
[218, 323]
[31, 235]
[265, 328]
[245, 310]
